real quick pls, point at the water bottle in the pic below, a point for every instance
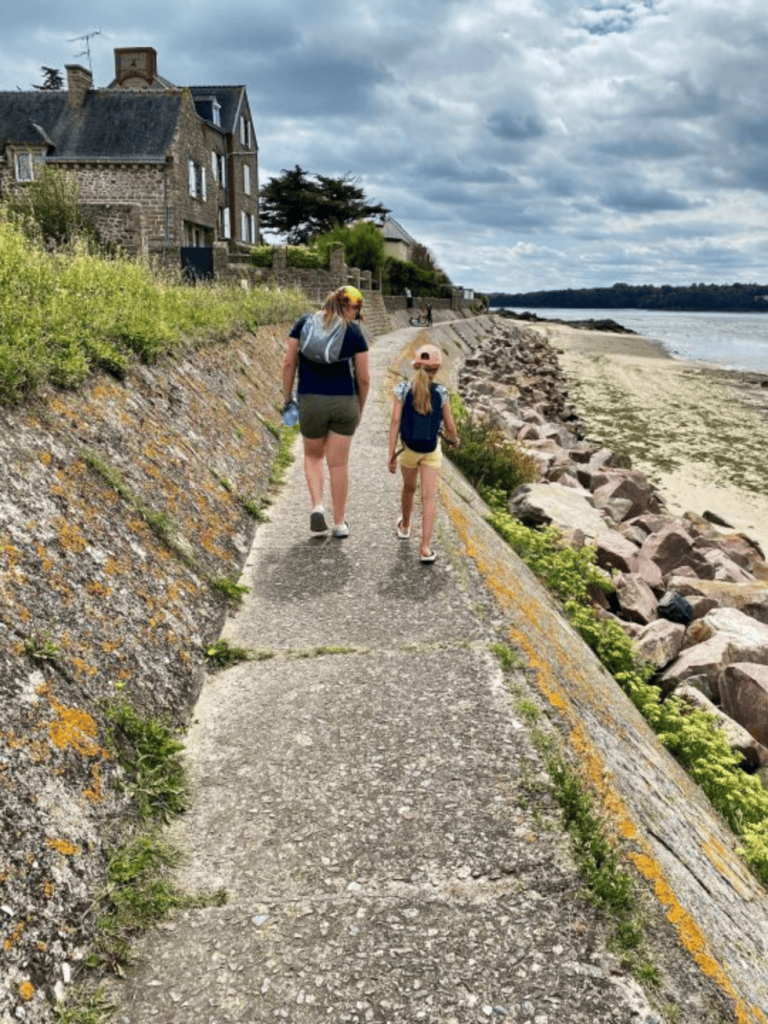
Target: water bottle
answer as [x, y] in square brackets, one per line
[290, 413]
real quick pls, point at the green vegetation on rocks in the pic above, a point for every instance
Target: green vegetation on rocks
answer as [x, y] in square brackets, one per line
[687, 733]
[486, 457]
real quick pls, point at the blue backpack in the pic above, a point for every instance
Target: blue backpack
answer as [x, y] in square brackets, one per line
[419, 431]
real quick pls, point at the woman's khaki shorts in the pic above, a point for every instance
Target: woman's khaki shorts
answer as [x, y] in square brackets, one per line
[323, 414]
[410, 459]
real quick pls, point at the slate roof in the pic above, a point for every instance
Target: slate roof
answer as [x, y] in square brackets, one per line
[111, 125]
[230, 98]
[394, 232]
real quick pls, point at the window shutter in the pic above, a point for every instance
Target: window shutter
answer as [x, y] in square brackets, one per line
[203, 189]
[246, 179]
[227, 226]
[214, 165]
[192, 178]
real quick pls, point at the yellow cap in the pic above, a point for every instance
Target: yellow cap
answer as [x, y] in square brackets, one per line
[352, 293]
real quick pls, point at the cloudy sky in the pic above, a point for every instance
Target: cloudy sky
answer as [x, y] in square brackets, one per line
[528, 143]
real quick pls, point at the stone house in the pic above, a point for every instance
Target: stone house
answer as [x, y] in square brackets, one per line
[397, 242]
[161, 169]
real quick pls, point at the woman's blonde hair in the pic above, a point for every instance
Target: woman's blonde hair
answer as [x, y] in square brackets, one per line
[336, 302]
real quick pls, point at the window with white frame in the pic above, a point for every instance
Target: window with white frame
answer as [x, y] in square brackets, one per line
[24, 167]
[245, 132]
[246, 179]
[217, 112]
[197, 183]
[224, 224]
[215, 165]
[223, 170]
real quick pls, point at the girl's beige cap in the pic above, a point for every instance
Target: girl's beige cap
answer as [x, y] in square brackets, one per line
[428, 357]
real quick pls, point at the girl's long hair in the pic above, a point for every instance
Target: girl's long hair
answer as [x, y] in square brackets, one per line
[422, 392]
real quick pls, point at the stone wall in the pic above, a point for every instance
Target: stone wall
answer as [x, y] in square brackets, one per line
[122, 614]
[121, 223]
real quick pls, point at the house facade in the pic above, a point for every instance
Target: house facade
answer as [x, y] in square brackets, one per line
[161, 169]
[397, 242]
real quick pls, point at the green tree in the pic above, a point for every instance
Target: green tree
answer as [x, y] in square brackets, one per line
[300, 206]
[363, 245]
[51, 79]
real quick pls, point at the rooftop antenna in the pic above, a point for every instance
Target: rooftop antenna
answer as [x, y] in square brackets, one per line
[87, 51]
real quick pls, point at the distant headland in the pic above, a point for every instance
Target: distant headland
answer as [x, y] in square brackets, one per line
[721, 298]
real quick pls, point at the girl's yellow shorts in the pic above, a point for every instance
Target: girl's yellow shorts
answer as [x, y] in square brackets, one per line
[410, 459]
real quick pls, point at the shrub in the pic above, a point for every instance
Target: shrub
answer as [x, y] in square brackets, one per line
[302, 258]
[488, 459]
[363, 246]
[49, 208]
[262, 255]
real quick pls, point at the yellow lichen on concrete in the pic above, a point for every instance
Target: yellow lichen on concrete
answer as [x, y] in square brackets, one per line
[26, 990]
[70, 537]
[46, 563]
[594, 767]
[10, 941]
[95, 793]
[731, 868]
[72, 727]
[692, 938]
[62, 846]
[12, 555]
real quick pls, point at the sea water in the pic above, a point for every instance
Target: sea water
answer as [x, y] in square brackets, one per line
[736, 341]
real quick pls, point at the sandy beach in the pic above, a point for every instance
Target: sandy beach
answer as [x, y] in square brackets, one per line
[698, 431]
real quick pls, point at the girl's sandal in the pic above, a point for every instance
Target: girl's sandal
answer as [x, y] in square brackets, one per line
[428, 559]
[401, 533]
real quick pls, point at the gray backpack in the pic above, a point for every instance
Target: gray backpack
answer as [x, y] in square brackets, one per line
[322, 344]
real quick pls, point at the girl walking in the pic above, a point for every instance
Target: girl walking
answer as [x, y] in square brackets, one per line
[420, 408]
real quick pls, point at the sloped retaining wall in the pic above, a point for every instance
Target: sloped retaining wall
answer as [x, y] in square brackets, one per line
[120, 613]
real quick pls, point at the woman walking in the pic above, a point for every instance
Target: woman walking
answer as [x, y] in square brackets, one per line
[330, 353]
[420, 408]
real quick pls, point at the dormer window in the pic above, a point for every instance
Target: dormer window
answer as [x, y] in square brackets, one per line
[217, 113]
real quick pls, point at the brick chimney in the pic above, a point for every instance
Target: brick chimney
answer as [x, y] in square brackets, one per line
[79, 83]
[135, 67]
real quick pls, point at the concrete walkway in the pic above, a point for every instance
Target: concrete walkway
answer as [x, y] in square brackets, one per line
[375, 807]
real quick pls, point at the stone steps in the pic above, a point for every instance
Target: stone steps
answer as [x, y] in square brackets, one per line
[376, 317]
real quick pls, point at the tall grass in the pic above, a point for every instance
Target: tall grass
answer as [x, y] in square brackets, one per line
[65, 314]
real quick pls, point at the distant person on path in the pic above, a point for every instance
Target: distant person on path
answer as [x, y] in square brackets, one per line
[408, 298]
[420, 407]
[332, 393]
[429, 315]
